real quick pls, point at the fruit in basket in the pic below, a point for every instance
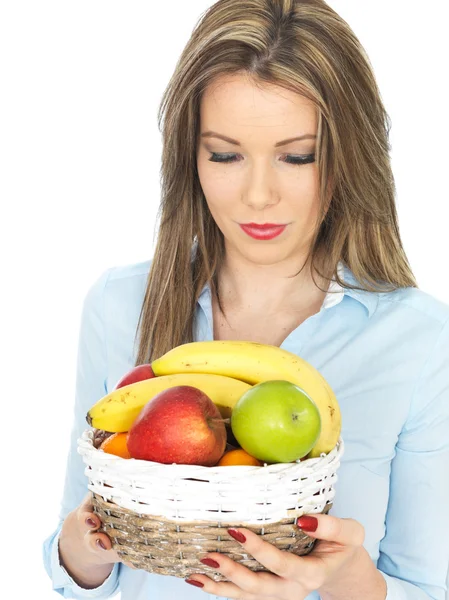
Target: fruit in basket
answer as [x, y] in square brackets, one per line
[180, 425]
[116, 444]
[118, 410]
[100, 435]
[276, 421]
[255, 363]
[139, 373]
[238, 457]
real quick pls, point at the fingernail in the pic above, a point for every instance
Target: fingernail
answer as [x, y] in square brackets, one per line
[194, 582]
[307, 523]
[101, 544]
[90, 522]
[210, 562]
[237, 535]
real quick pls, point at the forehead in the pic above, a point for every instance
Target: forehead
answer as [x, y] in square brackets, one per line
[235, 103]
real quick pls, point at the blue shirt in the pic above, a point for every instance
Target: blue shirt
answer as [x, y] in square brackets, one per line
[386, 356]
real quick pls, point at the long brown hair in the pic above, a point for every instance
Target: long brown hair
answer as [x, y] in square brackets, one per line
[304, 46]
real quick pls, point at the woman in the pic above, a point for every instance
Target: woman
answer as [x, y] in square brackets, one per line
[278, 225]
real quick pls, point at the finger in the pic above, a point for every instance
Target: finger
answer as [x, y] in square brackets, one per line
[346, 532]
[256, 583]
[87, 504]
[100, 544]
[122, 558]
[89, 520]
[280, 562]
[86, 515]
[222, 589]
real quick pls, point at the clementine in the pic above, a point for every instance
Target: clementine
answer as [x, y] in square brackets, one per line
[116, 444]
[238, 457]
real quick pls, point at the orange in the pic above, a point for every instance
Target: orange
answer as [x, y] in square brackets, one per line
[238, 457]
[116, 444]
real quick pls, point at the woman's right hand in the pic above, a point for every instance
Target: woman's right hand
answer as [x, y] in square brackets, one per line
[85, 552]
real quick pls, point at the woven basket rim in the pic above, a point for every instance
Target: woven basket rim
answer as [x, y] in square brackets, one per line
[192, 492]
[86, 447]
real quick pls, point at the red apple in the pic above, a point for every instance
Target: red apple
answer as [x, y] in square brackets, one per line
[138, 373]
[180, 425]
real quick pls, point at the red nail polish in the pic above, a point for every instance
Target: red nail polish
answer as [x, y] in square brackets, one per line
[100, 543]
[307, 523]
[194, 582]
[237, 535]
[210, 562]
[90, 523]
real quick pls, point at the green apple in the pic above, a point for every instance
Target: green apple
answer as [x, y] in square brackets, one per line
[276, 421]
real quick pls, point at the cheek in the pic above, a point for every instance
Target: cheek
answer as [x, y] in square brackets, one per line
[303, 181]
[301, 194]
[305, 212]
[220, 190]
[301, 206]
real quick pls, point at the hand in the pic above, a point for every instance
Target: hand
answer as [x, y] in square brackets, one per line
[292, 577]
[84, 550]
[98, 544]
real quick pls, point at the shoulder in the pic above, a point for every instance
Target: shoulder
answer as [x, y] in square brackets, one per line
[120, 277]
[129, 272]
[416, 303]
[419, 321]
[406, 335]
[413, 318]
[130, 279]
[417, 324]
[407, 322]
[111, 312]
[406, 304]
[427, 338]
[118, 285]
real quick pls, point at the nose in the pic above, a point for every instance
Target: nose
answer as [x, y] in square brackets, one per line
[260, 191]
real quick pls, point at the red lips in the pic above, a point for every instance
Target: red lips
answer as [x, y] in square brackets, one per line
[265, 231]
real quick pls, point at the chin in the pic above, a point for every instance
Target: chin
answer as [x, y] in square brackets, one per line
[264, 253]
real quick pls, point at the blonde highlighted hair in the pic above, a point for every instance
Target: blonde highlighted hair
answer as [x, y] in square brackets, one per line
[306, 47]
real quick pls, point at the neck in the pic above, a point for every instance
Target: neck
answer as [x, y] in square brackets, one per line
[287, 285]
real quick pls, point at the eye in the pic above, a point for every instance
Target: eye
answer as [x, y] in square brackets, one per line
[300, 160]
[222, 158]
[290, 159]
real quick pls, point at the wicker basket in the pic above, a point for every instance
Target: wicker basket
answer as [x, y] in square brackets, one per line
[165, 518]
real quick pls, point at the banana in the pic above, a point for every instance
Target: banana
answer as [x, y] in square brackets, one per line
[117, 410]
[253, 363]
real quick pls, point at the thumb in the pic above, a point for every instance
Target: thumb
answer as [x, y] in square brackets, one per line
[87, 503]
[347, 532]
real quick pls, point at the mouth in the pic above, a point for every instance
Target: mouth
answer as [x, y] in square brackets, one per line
[265, 231]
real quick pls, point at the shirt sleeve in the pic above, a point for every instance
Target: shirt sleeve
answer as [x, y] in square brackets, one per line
[91, 374]
[414, 553]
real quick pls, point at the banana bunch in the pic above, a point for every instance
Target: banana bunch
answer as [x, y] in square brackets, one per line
[223, 370]
[117, 410]
[254, 363]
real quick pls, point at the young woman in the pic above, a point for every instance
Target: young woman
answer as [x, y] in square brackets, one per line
[278, 225]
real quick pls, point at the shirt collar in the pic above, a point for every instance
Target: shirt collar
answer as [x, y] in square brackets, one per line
[335, 293]
[370, 300]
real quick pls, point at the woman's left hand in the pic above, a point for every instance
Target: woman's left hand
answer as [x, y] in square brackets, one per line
[292, 577]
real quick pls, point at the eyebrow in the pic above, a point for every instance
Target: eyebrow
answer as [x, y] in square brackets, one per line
[306, 136]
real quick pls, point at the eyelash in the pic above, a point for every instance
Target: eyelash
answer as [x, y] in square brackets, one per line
[292, 159]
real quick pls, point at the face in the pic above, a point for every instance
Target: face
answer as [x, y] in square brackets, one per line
[256, 176]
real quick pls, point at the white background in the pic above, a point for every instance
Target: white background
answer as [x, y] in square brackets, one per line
[79, 189]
